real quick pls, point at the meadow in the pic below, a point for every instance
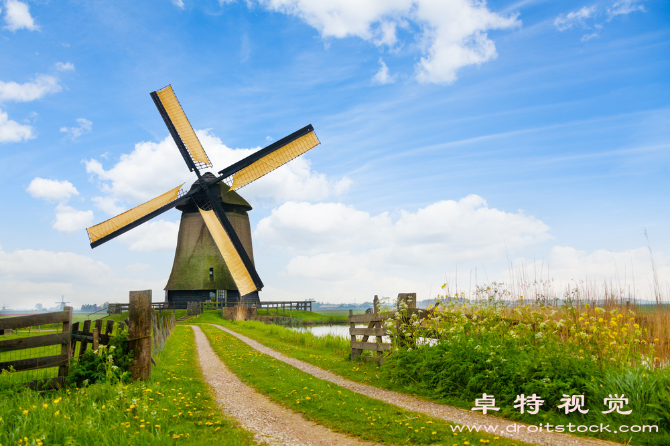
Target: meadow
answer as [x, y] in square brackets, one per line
[173, 407]
[508, 347]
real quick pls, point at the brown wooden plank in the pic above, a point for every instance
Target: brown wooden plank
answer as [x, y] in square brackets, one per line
[34, 319]
[371, 346]
[73, 340]
[121, 326]
[84, 343]
[109, 328]
[368, 331]
[35, 363]
[34, 341]
[377, 359]
[47, 383]
[95, 339]
[362, 318]
[98, 325]
[65, 347]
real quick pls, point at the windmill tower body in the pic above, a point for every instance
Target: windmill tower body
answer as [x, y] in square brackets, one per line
[214, 223]
[199, 272]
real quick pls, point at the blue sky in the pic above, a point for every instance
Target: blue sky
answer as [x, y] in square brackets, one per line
[456, 136]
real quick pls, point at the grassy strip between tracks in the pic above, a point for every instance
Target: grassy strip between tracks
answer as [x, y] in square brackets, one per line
[328, 352]
[173, 407]
[333, 406]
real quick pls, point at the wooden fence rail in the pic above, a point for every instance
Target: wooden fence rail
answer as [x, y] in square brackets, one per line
[376, 329]
[90, 336]
[64, 339]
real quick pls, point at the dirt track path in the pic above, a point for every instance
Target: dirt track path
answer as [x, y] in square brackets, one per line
[270, 422]
[408, 402]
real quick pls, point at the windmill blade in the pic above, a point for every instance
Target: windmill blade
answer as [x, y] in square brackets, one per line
[180, 129]
[244, 274]
[115, 226]
[270, 158]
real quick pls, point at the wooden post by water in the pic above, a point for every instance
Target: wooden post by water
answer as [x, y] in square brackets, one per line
[140, 334]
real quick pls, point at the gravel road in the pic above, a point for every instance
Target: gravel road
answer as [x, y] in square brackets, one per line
[269, 422]
[442, 411]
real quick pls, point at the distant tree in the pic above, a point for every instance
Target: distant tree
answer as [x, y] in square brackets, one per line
[105, 305]
[38, 307]
[90, 307]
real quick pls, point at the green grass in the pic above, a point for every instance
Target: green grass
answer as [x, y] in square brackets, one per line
[305, 316]
[333, 406]
[174, 407]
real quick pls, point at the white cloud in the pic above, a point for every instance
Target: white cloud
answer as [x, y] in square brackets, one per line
[154, 168]
[108, 205]
[12, 131]
[623, 7]
[382, 77]
[29, 91]
[587, 37]
[452, 34]
[69, 220]
[30, 276]
[152, 236]
[630, 270]
[331, 241]
[17, 16]
[574, 18]
[52, 190]
[60, 66]
[84, 127]
[178, 3]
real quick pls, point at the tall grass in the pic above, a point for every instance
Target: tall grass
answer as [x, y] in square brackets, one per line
[503, 345]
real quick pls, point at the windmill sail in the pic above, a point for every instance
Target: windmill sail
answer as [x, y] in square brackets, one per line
[115, 226]
[180, 128]
[270, 158]
[242, 271]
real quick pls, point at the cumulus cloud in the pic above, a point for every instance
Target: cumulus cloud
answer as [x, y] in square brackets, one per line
[153, 236]
[452, 34]
[623, 7]
[69, 220]
[154, 168]
[332, 240]
[17, 16]
[108, 205]
[574, 18]
[629, 271]
[383, 77]
[29, 91]
[52, 190]
[84, 127]
[38, 276]
[12, 131]
[60, 66]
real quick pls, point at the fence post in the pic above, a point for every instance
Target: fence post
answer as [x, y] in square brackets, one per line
[65, 348]
[95, 340]
[140, 334]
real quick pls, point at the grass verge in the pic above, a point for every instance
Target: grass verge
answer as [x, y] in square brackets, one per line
[174, 407]
[333, 406]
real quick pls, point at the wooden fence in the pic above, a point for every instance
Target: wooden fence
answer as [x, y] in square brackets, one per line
[63, 339]
[139, 326]
[376, 329]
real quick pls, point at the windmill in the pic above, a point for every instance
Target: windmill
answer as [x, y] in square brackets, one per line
[62, 302]
[209, 194]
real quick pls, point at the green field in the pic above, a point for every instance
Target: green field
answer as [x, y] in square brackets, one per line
[173, 407]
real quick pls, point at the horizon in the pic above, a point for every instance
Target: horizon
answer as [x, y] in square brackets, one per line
[460, 142]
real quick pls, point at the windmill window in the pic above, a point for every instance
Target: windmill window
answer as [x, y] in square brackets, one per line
[211, 273]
